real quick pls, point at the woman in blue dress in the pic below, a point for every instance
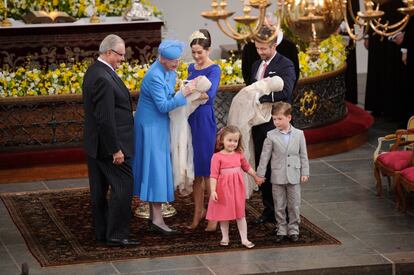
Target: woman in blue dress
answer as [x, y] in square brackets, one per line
[152, 170]
[203, 123]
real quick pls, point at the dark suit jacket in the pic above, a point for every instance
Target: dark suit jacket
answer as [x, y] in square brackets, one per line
[250, 55]
[109, 124]
[408, 43]
[282, 67]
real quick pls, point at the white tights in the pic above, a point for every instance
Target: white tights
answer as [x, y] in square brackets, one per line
[241, 226]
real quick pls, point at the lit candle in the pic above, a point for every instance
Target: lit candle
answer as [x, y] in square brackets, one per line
[5, 4]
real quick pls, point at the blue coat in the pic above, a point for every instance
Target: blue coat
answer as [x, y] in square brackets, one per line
[153, 176]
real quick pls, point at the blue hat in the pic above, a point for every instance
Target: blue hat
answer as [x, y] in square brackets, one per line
[171, 49]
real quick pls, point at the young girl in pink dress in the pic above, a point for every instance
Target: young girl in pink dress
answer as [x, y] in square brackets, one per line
[228, 192]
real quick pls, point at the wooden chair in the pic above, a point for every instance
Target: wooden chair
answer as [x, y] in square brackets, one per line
[404, 181]
[397, 159]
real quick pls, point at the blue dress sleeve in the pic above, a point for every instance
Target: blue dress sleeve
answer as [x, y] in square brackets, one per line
[159, 94]
[214, 77]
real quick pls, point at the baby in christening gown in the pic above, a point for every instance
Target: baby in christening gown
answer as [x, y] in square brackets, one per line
[246, 111]
[181, 141]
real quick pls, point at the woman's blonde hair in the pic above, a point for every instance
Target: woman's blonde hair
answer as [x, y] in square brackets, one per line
[230, 129]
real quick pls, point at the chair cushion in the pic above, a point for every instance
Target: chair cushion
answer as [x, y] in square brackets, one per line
[396, 160]
[408, 173]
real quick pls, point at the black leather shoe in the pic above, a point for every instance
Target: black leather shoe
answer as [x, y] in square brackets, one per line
[156, 228]
[294, 238]
[101, 241]
[280, 238]
[263, 219]
[121, 242]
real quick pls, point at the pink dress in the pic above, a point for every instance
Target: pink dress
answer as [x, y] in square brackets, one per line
[231, 191]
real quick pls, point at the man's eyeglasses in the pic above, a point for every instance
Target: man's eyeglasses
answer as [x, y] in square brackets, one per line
[120, 54]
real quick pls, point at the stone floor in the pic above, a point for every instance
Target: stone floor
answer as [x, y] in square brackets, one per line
[340, 198]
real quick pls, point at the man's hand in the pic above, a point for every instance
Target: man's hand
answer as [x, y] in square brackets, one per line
[404, 58]
[118, 158]
[266, 99]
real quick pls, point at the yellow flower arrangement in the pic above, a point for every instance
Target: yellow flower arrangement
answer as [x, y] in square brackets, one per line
[76, 8]
[231, 72]
[67, 78]
[332, 57]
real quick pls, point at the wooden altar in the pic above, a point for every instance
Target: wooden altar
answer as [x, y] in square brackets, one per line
[49, 44]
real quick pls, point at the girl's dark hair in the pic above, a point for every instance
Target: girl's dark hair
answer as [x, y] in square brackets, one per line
[223, 132]
[205, 43]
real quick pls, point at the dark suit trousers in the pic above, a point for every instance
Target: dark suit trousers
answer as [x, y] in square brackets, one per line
[111, 216]
[259, 134]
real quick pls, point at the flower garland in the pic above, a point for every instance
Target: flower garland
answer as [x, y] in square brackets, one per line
[67, 78]
[75, 8]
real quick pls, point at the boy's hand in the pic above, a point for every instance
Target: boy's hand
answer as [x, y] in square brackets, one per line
[304, 179]
[213, 196]
[259, 180]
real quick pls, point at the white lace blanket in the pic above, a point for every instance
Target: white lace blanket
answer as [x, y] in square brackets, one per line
[181, 143]
[245, 112]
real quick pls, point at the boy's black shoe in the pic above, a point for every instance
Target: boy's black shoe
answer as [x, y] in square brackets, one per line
[280, 238]
[264, 219]
[294, 238]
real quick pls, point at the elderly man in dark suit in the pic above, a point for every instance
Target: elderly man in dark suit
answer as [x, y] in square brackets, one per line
[109, 143]
[271, 63]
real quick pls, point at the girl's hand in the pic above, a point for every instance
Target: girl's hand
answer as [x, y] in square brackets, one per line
[259, 180]
[213, 196]
[304, 179]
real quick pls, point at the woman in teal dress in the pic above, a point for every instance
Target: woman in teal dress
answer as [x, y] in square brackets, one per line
[153, 176]
[203, 123]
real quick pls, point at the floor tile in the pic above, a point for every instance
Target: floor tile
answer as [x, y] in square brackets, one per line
[192, 271]
[320, 168]
[348, 210]
[21, 187]
[67, 183]
[354, 193]
[165, 263]
[328, 181]
[388, 243]
[345, 166]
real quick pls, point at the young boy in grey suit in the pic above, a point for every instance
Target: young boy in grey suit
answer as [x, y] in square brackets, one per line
[285, 147]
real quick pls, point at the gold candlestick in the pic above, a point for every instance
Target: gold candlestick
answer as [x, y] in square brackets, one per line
[5, 22]
[95, 18]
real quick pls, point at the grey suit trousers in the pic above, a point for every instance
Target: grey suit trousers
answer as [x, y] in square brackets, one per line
[287, 194]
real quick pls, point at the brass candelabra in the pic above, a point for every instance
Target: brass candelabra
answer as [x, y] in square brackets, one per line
[95, 18]
[310, 20]
[5, 22]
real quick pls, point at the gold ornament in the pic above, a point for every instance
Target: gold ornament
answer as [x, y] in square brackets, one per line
[308, 103]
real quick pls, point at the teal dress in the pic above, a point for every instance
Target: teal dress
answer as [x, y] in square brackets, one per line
[152, 169]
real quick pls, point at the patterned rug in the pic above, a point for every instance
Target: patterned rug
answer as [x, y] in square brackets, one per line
[56, 226]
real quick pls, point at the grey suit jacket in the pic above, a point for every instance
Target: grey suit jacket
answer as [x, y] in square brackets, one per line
[288, 161]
